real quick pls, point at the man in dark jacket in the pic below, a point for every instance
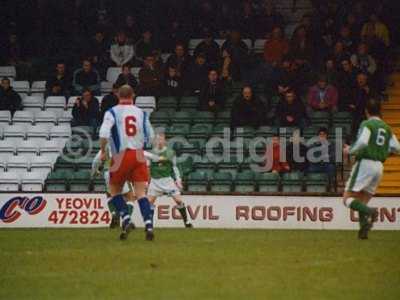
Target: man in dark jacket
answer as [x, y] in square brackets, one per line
[59, 83]
[248, 110]
[86, 78]
[172, 83]
[212, 96]
[86, 110]
[210, 49]
[150, 77]
[197, 74]
[238, 51]
[291, 111]
[126, 77]
[180, 59]
[98, 52]
[109, 101]
[9, 99]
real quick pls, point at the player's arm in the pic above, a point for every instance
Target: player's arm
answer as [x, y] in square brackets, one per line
[150, 135]
[394, 145]
[105, 132]
[361, 142]
[177, 173]
[96, 165]
[151, 156]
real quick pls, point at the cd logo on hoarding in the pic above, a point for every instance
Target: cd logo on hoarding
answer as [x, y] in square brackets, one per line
[9, 212]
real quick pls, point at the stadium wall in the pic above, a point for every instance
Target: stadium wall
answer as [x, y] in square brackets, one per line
[262, 212]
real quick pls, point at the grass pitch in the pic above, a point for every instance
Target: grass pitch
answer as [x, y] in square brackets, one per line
[198, 264]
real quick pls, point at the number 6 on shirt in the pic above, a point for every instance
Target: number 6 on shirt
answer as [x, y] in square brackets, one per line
[130, 125]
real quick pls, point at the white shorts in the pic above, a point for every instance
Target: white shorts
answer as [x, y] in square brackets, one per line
[163, 186]
[125, 189]
[365, 176]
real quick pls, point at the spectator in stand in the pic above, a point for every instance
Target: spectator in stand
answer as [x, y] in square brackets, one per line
[346, 39]
[296, 153]
[276, 47]
[274, 162]
[238, 51]
[145, 46]
[86, 77]
[197, 74]
[284, 78]
[331, 71]
[59, 83]
[268, 20]
[212, 96]
[227, 67]
[150, 78]
[121, 52]
[248, 110]
[126, 77]
[376, 46]
[361, 95]
[301, 45]
[346, 84]
[327, 35]
[339, 53]
[180, 59]
[13, 52]
[97, 52]
[323, 96]
[290, 111]
[247, 21]
[172, 83]
[353, 25]
[175, 33]
[209, 48]
[9, 99]
[86, 111]
[109, 101]
[381, 30]
[363, 61]
[323, 158]
[132, 29]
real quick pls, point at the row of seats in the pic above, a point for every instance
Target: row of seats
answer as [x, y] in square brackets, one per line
[21, 132]
[36, 117]
[59, 103]
[249, 181]
[27, 181]
[199, 181]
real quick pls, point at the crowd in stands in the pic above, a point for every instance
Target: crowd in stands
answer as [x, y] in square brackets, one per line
[334, 60]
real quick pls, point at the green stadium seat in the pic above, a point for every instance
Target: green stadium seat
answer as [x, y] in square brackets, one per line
[80, 181]
[342, 117]
[275, 100]
[185, 165]
[244, 182]
[202, 130]
[287, 132]
[310, 132]
[167, 103]
[193, 146]
[268, 182]
[83, 131]
[178, 130]
[223, 117]
[229, 102]
[266, 131]
[190, 102]
[64, 162]
[205, 117]
[320, 118]
[99, 185]
[245, 132]
[221, 182]
[57, 181]
[292, 182]
[220, 129]
[182, 117]
[202, 163]
[160, 117]
[316, 183]
[197, 182]
[231, 165]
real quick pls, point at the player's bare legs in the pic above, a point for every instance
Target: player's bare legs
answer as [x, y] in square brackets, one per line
[367, 216]
[145, 208]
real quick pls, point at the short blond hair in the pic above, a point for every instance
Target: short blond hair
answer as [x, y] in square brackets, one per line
[126, 92]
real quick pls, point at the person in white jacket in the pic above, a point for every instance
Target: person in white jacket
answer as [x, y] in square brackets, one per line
[121, 52]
